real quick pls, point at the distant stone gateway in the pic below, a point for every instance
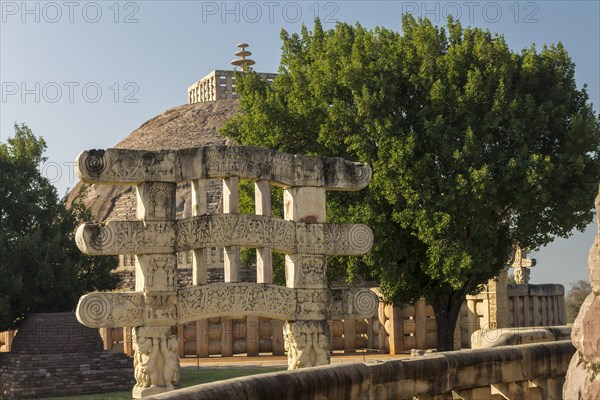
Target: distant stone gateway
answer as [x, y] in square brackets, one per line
[158, 305]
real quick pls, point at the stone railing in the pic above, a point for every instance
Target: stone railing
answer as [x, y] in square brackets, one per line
[393, 330]
[406, 328]
[526, 306]
[536, 305]
[534, 371]
[219, 336]
[218, 85]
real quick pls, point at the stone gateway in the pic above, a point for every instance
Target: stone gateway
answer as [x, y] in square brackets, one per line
[157, 305]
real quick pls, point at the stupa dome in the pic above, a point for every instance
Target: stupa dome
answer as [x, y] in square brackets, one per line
[184, 126]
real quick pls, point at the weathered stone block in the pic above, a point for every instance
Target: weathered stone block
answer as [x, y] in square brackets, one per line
[594, 265]
[304, 204]
[586, 329]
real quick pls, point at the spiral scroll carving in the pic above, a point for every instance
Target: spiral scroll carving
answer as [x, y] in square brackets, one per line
[101, 237]
[95, 162]
[360, 237]
[94, 309]
[365, 303]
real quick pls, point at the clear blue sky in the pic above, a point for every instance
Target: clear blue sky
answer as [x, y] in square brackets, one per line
[84, 74]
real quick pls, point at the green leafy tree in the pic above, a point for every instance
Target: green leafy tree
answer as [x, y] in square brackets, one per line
[42, 269]
[473, 147]
[575, 298]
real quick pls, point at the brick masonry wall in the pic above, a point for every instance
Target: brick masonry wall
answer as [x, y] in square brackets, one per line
[54, 355]
[52, 333]
[33, 376]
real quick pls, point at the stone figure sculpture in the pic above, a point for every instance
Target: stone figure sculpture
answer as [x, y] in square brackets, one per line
[169, 348]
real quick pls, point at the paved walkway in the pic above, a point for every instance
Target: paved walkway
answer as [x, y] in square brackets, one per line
[281, 361]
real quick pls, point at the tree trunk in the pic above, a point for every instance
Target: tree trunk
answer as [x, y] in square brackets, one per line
[446, 309]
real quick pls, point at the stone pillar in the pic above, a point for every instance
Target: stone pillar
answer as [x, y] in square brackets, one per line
[349, 336]
[420, 324]
[264, 264]
[307, 342]
[511, 390]
[230, 206]
[472, 317]
[199, 259]
[226, 337]
[105, 334]
[264, 256]
[394, 325]
[128, 341]
[278, 343]
[495, 299]
[202, 338]
[583, 379]
[526, 313]
[252, 336]
[156, 359]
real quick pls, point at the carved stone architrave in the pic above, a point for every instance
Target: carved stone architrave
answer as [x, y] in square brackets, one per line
[111, 310]
[162, 237]
[352, 303]
[121, 166]
[234, 300]
[160, 308]
[126, 237]
[227, 300]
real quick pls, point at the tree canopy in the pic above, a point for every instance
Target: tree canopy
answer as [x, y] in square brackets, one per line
[474, 147]
[42, 269]
[575, 298]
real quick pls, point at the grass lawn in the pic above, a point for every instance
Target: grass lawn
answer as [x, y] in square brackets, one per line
[189, 376]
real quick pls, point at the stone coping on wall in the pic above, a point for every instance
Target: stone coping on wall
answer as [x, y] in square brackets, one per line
[546, 289]
[441, 373]
[486, 338]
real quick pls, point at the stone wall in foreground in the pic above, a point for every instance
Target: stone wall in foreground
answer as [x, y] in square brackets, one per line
[533, 371]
